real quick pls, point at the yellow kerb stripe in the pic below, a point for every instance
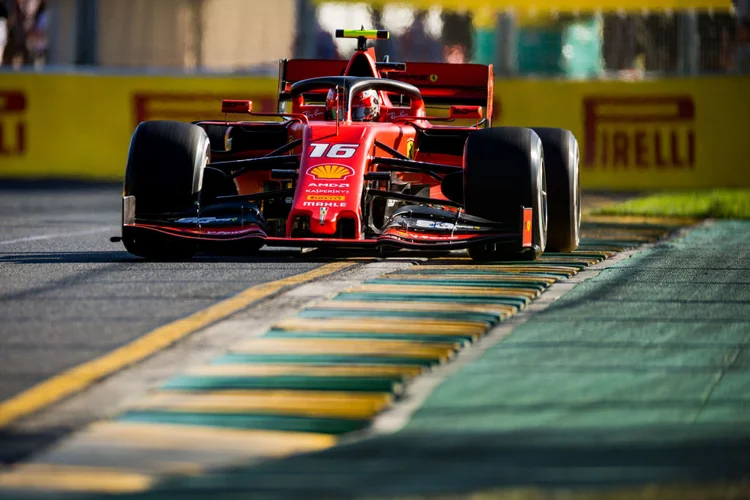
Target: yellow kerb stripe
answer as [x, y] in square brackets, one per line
[521, 278]
[384, 325]
[81, 376]
[384, 305]
[427, 290]
[326, 406]
[198, 437]
[358, 347]
[308, 370]
[74, 478]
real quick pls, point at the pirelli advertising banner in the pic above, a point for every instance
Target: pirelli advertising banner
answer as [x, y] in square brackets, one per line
[662, 134]
[79, 126]
[677, 133]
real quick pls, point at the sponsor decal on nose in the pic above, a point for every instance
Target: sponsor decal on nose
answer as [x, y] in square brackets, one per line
[327, 172]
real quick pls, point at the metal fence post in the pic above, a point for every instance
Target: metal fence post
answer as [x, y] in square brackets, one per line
[688, 43]
[86, 32]
[507, 55]
[305, 24]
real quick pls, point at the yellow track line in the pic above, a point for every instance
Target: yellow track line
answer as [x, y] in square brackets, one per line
[79, 377]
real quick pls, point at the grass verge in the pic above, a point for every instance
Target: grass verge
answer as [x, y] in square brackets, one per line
[717, 204]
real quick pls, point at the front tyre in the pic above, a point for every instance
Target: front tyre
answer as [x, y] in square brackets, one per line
[164, 175]
[503, 171]
[564, 188]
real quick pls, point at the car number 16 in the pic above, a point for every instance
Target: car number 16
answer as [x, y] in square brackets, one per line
[336, 150]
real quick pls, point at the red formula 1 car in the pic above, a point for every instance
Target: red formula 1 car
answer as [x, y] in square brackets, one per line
[353, 159]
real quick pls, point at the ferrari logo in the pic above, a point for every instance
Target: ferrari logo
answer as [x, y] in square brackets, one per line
[528, 225]
[410, 149]
[433, 78]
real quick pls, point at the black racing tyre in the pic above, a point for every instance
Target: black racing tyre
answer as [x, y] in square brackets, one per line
[563, 188]
[165, 175]
[503, 171]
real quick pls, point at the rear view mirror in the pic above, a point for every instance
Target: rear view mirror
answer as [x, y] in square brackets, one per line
[236, 106]
[466, 112]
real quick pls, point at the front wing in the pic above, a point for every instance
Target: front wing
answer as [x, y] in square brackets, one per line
[403, 232]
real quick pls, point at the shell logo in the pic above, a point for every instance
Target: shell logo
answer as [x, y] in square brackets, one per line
[330, 172]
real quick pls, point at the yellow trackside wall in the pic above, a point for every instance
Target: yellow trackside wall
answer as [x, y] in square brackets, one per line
[677, 133]
[79, 126]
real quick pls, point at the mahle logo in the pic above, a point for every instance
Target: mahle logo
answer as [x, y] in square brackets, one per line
[639, 132]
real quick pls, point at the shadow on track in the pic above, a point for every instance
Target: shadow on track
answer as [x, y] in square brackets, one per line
[20, 444]
[424, 463]
[272, 256]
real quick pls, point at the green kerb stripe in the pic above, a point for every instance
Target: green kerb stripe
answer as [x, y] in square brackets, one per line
[510, 301]
[426, 338]
[488, 318]
[285, 382]
[321, 360]
[447, 281]
[247, 421]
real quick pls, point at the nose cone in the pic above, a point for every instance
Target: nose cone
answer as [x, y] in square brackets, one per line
[328, 197]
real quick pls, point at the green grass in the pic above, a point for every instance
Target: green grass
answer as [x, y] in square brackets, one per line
[717, 204]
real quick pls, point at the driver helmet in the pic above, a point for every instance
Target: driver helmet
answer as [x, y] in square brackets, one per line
[365, 105]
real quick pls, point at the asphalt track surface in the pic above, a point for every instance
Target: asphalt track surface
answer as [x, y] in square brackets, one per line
[68, 295]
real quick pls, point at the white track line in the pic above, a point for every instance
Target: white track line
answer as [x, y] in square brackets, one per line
[57, 235]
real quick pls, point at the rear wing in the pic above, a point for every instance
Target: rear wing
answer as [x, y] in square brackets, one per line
[295, 70]
[446, 84]
[439, 83]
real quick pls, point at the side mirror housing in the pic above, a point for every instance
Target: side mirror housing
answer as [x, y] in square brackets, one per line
[466, 112]
[236, 106]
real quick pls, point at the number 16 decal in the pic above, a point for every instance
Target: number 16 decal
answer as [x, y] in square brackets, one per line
[335, 151]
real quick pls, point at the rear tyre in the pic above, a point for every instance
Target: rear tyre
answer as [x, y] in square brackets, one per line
[503, 171]
[165, 175]
[563, 187]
